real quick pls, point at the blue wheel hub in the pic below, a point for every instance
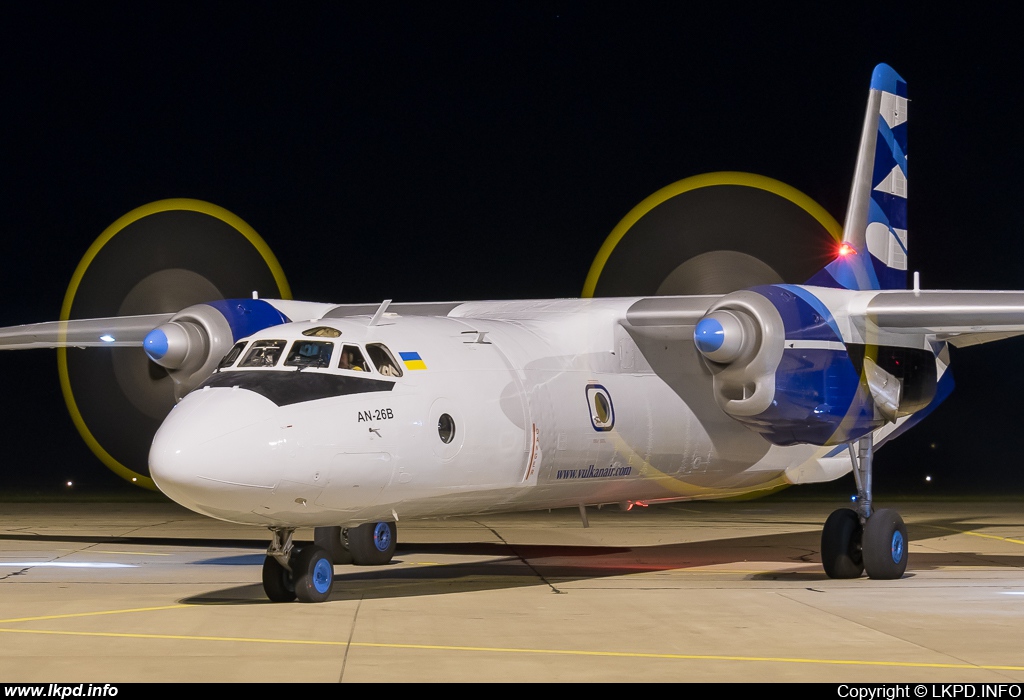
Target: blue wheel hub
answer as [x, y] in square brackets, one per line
[323, 571]
[897, 546]
[382, 537]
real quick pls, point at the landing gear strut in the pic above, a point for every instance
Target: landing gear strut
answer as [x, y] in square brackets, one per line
[864, 540]
[290, 572]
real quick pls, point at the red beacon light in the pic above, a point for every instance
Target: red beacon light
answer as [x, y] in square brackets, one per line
[846, 249]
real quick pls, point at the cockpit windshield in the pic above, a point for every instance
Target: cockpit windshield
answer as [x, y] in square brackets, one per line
[263, 353]
[352, 358]
[383, 360]
[309, 353]
[232, 355]
[313, 352]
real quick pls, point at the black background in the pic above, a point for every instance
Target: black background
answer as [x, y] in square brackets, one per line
[435, 151]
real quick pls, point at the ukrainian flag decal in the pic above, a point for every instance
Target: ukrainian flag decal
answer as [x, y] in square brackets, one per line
[412, 360]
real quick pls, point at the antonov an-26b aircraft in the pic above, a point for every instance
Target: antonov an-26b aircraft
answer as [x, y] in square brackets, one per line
[350, 418]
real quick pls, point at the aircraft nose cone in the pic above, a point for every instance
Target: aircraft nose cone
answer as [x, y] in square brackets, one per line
[214, 452]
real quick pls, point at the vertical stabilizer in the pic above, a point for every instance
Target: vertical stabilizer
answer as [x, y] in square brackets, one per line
[874, 251]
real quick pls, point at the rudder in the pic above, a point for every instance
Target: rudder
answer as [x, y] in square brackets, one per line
[874, 251]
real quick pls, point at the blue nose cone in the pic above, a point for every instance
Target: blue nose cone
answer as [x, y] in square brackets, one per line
[708, 335]
[155, 344]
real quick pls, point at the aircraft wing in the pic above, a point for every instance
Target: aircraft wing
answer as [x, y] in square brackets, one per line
[667, 318]
[118, 331]
[961, 318]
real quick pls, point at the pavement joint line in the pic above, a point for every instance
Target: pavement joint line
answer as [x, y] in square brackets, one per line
[508, 650]
[141, 554]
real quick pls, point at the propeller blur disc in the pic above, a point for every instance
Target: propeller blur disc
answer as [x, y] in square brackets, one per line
[713, 234]
[160, 257]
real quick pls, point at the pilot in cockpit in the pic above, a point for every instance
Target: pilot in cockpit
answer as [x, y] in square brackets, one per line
[351, 358]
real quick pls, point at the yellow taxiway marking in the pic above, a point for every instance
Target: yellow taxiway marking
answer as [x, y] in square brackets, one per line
[68, 616]
[993, 537]
[509, 650]
[972, 533]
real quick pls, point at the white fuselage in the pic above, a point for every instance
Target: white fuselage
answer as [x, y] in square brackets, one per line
[549, 404]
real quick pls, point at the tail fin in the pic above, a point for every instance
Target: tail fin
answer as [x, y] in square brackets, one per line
[874, 250]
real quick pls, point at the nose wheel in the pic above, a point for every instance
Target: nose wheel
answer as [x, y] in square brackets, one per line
[292, 573]
[313, 573]
[863, 540]
[277, 581]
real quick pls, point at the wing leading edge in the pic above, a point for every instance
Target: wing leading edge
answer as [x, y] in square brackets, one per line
[960, 318]
[119, 331]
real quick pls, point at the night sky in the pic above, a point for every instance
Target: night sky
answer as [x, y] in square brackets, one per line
[436, 151]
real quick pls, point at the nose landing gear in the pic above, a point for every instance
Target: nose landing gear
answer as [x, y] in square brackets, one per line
[853, 542]
[306, 573]
[290, 572]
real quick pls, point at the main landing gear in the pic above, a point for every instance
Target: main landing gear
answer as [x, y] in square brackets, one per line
[855, 541]
[306, 573]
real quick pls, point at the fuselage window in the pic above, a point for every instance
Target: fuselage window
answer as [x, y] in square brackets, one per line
[232, 355]
[263, 353]
[352, 358]
[309, 353]
[446, 428]
[602, 411]
[383, 360]
[322, 332]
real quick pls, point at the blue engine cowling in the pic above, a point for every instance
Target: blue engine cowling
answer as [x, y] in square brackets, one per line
[190, 345]
[781, 368]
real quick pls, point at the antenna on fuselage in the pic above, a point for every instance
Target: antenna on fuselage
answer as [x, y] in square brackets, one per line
[380, 312]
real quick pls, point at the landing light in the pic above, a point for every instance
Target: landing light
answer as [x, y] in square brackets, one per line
[107, 338]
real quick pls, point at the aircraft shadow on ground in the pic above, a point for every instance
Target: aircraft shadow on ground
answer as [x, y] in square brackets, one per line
[791, 557]
[774, 557]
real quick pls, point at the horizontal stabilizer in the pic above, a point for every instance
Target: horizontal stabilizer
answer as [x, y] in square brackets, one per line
[119, 331]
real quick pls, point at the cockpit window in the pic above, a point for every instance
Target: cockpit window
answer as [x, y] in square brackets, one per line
[263, 353]
[232, 355]
[352, 358]
[309, 353]
[383, 360]
[322, 332]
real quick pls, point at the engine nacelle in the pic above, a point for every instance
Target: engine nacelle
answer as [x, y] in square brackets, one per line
[781, 367]
[742, 338]
[192, 343]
